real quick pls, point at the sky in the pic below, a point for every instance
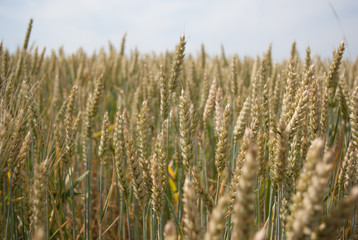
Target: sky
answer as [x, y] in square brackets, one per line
[243, 27]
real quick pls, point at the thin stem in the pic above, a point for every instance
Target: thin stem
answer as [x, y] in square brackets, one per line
[180, 214]
[272, 227]
[8, 211]
[217, 189]
[119, 204]
[88, 185]
[72, 205]
[258, 210]
[100, 199]
[144, 224]
[155, 223]
[271, 190]
[161, 227]
[128, 222]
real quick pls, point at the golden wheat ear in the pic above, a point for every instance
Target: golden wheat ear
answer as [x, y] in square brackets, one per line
[216, 224]
[177, 64]
[28, 32]
[170, 232]
[191, 218]
[244, 205]
[337, 218]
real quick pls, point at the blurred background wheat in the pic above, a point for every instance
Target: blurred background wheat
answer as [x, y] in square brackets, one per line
[119, 145]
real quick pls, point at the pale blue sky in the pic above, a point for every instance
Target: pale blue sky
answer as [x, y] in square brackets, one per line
[245, 27]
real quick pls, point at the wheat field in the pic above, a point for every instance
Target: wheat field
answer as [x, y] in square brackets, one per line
[125, 145]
